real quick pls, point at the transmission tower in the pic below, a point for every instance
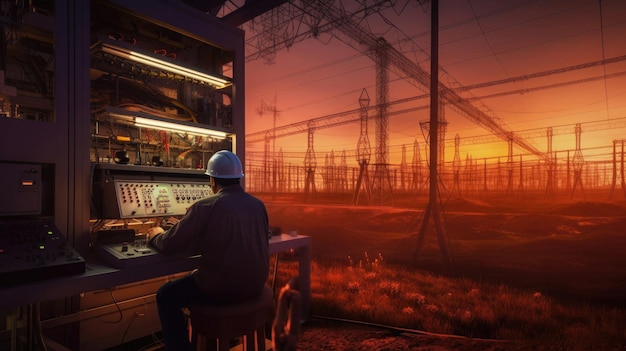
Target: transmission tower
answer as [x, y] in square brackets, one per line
[343, 173]
[323, 16]
[509, 167]
[403, 169]
[266, 161]
[270, 160]
[485, 187]
[550, 163]
[310, 163]
[279, 172]
[621, 168]
[416, 166]
[332, 173]
[520, 186]
[364, 152]
[456, 166]
[577, 163]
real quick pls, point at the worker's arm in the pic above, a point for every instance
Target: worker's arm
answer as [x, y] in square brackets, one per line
[180, 236]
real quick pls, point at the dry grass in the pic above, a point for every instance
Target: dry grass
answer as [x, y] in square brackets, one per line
[374, 292]
[548, 275]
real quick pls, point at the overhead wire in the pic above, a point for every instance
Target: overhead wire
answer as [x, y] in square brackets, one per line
[482, 31]
[517, 48]
[606, 89]
[326, 65]
[333, 63]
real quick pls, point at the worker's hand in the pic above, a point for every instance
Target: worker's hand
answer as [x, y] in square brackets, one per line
[154, 231]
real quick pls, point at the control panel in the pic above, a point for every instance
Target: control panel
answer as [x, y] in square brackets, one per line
[130, 199]
[32, 250]
[131, 254]
[122, 248]
[157, 198]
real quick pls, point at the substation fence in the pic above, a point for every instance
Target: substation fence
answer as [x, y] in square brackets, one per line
[476, 178]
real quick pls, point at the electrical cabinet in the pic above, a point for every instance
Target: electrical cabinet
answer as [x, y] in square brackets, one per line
[160, 96]
[27, 61]
[155, 85]
[166, 85]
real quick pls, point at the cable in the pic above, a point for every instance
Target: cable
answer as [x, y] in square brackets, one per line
[119, 310]
[400, 330]
[155, 339]
[38, 330]
[135, 315]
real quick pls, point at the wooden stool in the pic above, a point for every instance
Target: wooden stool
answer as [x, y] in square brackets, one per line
[227, 322]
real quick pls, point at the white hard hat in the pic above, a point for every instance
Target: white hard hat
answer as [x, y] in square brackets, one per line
[224, 164]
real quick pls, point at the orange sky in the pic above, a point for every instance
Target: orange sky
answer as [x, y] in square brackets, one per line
[485, 41]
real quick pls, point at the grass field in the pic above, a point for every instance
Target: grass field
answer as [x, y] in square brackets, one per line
[551, 273]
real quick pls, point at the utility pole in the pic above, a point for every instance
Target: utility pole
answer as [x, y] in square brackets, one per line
[434, 206]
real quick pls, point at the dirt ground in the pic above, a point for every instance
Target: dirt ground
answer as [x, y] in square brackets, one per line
[573, 250]
[319, 335]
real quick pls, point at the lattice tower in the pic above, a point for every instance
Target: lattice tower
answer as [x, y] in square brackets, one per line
[310, 164]
[343, 172]
[364, 151]
[456, 165]
[416, 167]
[266, 161]
[550, 165]
[323, 17]
[578, 162]
[403, 169]
[510, 165]
[615, 168]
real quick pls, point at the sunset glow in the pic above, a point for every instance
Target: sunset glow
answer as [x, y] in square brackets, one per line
[529, 65]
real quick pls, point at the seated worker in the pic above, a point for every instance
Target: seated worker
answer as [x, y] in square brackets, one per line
[230, 231]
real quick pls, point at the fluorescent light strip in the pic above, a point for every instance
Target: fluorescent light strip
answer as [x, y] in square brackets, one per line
[154, 124]
[164, 65]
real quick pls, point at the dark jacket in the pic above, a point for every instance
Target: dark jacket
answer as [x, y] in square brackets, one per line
[230, 231]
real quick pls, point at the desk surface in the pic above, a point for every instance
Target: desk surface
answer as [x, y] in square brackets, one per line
[98, 276]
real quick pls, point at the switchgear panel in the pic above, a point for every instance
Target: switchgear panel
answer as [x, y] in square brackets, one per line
[152, 199]
[127, 192]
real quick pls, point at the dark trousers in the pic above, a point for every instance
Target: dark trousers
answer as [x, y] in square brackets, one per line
[171, 298]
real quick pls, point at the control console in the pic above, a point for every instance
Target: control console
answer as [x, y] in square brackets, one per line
[32, 250]
[136, 195]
